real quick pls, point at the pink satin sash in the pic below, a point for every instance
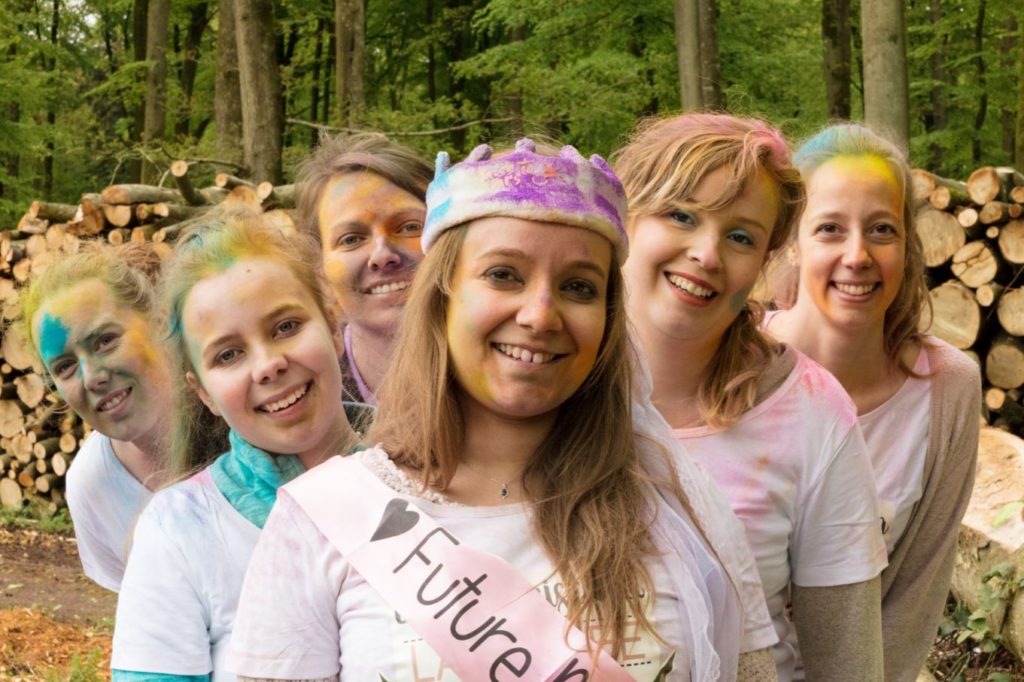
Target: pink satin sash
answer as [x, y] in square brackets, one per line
[474, 609]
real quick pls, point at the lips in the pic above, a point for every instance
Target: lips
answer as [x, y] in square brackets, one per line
[387, 288]
[525, 354]
[691, 287]
[113, 400]
[285, 402]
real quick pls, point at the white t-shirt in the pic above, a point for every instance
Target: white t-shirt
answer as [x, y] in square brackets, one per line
[180, 590]
[104, 500]
[796, 472]
[896, 433]
[305, 613]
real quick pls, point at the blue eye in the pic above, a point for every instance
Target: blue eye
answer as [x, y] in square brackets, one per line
[741, 237]
[683, 217]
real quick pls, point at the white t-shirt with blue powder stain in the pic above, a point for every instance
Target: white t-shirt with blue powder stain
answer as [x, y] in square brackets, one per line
[105, 501]
[180, 591]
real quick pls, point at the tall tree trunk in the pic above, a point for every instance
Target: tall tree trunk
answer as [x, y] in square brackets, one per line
[227, 104]
[51, 113]
[980, 81]
[314, 90]
[156, 80]
[140, 15]
[835, 33]
[1018, 155]
[710, 72]
[260, 82]
[1008, 52]
[687, 20]
[886, 93]
[938, 118]
[431, 59]
[325, 116]
[350, 29]
[197, 20]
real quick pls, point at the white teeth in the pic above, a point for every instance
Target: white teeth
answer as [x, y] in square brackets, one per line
[112, 402]
[855, 289]
[287, 401]
[520, 353]
[689, 287]
[389, 288]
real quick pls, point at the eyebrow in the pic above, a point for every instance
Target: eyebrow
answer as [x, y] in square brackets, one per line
[275, 312]
[516, 253]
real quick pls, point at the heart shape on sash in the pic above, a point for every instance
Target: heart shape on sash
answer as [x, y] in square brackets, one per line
[395, 520]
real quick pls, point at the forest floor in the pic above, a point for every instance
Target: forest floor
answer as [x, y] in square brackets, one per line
[56, 624]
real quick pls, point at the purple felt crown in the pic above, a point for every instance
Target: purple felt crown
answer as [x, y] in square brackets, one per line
[564, 189]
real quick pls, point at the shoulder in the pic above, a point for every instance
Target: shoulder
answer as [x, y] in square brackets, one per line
[950, 364]
[819, 390]
[90, 458]
[183, 503]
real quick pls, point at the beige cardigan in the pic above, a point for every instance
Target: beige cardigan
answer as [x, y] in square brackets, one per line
[916, 582]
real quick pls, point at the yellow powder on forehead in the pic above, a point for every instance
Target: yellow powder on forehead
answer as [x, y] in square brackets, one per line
[868, 164]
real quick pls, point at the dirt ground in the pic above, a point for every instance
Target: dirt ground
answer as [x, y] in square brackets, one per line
[55, 623]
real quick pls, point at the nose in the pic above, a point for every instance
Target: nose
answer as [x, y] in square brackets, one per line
[384, 254]
[94, 374]
[539, 311]
[704, 248]
[269, 364]
[855, 252]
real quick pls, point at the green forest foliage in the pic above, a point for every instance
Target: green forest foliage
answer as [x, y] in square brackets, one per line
[579, 71]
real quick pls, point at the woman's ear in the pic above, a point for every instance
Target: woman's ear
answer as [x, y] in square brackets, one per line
[193, 381]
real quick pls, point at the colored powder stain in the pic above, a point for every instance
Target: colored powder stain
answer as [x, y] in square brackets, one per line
[868, 164]
[53, 337]
[137, 340]
[739, 299]
[808, 383]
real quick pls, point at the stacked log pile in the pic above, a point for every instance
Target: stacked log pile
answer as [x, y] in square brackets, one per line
[973, 238]
[39, 435]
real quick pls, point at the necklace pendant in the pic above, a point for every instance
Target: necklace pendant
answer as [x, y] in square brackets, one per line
[504, 490]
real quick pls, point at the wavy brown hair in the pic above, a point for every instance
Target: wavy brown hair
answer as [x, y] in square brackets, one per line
[592, 502]
[903, 317]
[661, 166]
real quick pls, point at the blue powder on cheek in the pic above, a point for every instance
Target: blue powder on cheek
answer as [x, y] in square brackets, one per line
[53, 338]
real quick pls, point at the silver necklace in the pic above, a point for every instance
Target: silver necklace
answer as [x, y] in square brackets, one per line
[503, 485]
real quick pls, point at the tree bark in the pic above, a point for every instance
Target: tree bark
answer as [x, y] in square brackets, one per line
[51, 113]
[710, 71]
[835, 33]
[1018, 154]
[140, 13]
[227, 105]
[350, 47]
[197, 21]
[314, 90]
[886, 93]
[260, 82]
[938, 118]
[980, 81]
[687, 23]
[156, 79]
[1007, 51]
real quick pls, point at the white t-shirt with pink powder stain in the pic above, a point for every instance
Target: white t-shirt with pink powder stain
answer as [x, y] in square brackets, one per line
[797, 474]
[896, 433]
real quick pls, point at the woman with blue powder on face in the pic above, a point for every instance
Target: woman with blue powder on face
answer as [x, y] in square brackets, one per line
[89, 317]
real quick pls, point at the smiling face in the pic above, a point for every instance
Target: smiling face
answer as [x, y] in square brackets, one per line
[526, 314]
[104, 362]
[370, 235]
[852, 241]
[689, 272]
[265, 359]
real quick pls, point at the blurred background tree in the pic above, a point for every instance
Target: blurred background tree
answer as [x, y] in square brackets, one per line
[100, 91]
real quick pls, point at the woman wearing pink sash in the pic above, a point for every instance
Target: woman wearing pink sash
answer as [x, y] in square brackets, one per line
[858, 306]
[524, 514]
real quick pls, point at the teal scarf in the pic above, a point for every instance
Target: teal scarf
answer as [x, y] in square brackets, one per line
[249, 477]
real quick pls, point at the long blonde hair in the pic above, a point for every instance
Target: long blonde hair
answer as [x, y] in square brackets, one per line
[903, 316]
[662, 165]
[592, 504]
[203, 252]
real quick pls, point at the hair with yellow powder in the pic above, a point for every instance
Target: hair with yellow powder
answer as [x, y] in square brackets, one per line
[661, 167]
[362, 152]
[903, 317]
[206, 251]
[129, 271]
